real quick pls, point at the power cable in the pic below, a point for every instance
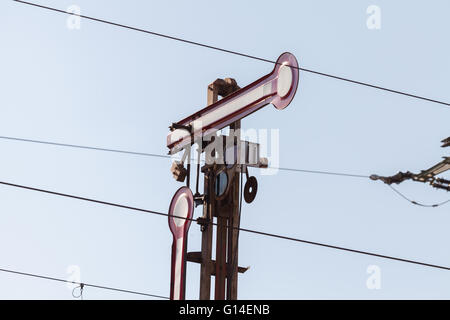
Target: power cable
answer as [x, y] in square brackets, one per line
[235, 228]
[84, 199]
[418, 203]
[86, 147]
[235, 53]
[82, 284]
[168, 156]
[351, 175]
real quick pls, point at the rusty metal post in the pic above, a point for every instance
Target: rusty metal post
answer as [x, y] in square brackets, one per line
[223, 211]
[207, 234]
[234, 223]
[206, 267]
[221, 254]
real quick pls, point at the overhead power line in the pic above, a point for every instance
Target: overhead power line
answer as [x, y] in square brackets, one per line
[82, 198]
[168, 157]
[83, 284]
[87, 147]
[236, 53]
[267, 234]
[418, 203]
[350, 175]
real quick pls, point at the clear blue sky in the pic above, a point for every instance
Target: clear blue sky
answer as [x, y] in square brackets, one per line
[116, 88]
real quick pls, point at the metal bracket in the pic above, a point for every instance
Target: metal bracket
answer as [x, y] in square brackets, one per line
[199, 199]
[175, 126]
[196, 257]
[203, 222]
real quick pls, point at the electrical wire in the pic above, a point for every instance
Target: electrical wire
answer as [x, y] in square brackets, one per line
[351, 175]
[235, 53]
[82, 284]
[86, 147]
[345, 249]
[418, 203]
[169, 157]
[86, 199]
[267, 234]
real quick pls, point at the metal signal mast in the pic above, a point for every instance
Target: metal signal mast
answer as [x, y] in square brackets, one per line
[227, 159]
